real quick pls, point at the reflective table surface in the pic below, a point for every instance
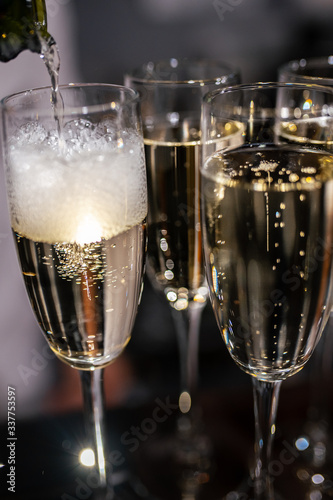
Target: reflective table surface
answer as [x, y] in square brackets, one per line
[147, 446]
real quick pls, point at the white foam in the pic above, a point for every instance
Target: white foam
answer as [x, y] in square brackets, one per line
[97, 187]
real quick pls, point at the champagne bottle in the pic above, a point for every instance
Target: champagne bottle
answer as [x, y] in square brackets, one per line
[23, 25]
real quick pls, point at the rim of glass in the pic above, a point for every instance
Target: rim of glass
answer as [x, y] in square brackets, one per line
[312, 62]
[227, 71]
[266, 85]
[132, 94]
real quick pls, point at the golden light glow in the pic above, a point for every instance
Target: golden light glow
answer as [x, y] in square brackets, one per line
[87, 457]
[88, 231]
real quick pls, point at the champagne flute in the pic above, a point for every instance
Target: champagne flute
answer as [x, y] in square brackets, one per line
[314, 441]
[77, 199]
[267, 206]
[171, 93]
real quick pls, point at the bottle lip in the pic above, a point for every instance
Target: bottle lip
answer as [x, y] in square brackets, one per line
[117, 96]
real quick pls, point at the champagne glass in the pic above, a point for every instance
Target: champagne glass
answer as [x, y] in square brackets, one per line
[77, 198]
[317, 70]
[171, 93]
[267, 211]
[315, 439]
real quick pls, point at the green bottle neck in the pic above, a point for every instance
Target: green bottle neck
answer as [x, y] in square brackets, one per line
[23, 25]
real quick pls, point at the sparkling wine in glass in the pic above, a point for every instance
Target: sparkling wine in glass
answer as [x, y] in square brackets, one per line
[267, 235]
[78, 206]
[171, 93]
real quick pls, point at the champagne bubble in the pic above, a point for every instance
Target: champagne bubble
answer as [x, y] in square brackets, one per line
[52, 192]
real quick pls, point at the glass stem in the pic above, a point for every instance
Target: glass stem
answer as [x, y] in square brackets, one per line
[317, 425]
[93, 400]
[266, 397]
[187, 324]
